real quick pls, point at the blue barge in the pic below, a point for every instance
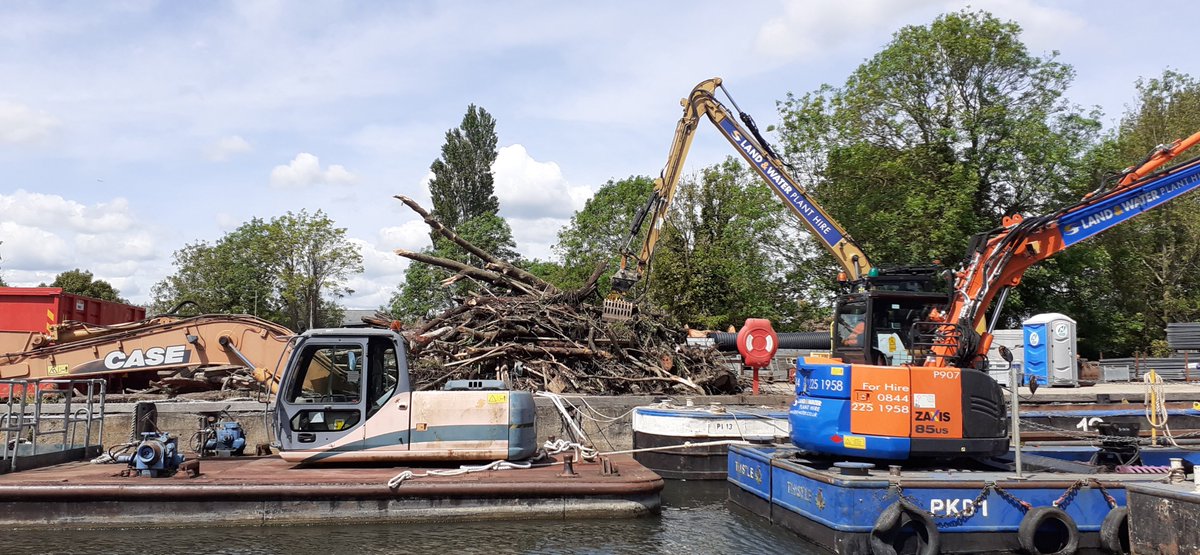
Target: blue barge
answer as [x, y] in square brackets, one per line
[855, 508]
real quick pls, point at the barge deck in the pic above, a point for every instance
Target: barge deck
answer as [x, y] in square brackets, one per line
[269, 491]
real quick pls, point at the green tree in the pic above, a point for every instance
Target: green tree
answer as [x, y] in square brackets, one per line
[238, 274]
[600, 231]
[289, 270]
[1152, 263]
[315, 260]
[463, 185]
[948, 128]
[82, 282]
[464, 200]
[715, 265]
[2, 282]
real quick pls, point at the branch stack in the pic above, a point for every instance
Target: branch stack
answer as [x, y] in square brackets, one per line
[518, 328]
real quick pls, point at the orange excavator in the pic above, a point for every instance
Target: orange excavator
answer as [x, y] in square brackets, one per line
[937, 402]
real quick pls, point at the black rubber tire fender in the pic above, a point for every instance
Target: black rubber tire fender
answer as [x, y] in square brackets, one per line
[1114, 531]
[1027, 531]
[894, 518]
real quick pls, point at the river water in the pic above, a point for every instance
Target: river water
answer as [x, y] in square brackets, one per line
[696, 518]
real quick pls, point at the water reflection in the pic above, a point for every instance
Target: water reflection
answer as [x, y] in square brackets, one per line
[695, 519]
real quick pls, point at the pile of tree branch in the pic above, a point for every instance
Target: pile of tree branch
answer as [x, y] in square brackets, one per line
[518, 328]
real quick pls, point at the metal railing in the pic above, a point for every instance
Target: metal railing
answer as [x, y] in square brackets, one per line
[26, 423]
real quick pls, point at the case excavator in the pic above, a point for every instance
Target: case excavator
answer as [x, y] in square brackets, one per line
[343, 395]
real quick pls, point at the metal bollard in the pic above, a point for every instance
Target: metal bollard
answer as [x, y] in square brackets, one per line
[569, 468]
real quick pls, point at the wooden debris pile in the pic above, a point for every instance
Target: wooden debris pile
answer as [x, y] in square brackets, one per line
[523, 330]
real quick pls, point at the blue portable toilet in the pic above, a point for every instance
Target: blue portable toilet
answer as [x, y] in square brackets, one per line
[1050, 350]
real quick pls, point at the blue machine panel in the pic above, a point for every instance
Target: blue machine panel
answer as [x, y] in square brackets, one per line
[820, 416]
[840, 508]
[1089, 221]
[853, 505]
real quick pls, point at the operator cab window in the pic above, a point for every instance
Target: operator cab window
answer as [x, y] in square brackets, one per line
[331, 374]
[851, 324]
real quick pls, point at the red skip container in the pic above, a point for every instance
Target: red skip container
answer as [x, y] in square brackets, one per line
[38, 308]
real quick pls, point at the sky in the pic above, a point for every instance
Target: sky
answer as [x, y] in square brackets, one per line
[129, 129]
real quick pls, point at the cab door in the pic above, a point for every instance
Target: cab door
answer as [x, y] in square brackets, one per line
[389, 400]
[323, 400]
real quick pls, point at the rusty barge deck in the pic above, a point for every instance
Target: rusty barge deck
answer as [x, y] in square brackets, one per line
[257, 491]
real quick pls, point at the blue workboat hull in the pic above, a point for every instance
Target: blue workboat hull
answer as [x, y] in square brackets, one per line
[981, 510]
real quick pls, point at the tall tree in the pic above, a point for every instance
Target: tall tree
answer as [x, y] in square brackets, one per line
[948, 128]
[82, 282]
[464, 200]
[289, 270]
[2, 282]
[314, 263]
[463, 185]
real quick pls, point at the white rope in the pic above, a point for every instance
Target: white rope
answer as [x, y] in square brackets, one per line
[559, 445]
[1156, 405]
[549, 448]
[464, 469]
[561, 404]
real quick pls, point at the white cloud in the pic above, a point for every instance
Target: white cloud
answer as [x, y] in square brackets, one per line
[411, 235]
[20, 124]
[137, 245]
[528, 188]
[44, 235]
[535, 237]
[1043, 28]
[305, 170]
[31, 248]
[383, 270]
[54, 211]
[807, 30]
[227, 147]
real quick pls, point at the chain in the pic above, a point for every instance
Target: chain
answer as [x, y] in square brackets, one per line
[1068, 494]
[1011, 498]
[1091, 436]
[1112, 502]
[969, 510]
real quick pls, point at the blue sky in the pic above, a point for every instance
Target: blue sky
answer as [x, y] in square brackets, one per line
[131, 128]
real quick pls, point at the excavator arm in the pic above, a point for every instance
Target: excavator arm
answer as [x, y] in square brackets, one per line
[1000, 258]
[747, 141]
[157, 344]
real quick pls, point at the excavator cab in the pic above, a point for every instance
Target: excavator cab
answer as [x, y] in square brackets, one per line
[879, 326]
[336, 381]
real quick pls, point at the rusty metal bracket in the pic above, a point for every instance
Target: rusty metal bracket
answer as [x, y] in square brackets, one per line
[191, 468]
[607, 468]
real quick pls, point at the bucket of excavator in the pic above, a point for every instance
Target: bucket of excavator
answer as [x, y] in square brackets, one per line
[617, 310]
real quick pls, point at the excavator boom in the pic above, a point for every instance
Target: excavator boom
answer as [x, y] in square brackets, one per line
[1002, 257]
[747, 141]
[151, 345]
